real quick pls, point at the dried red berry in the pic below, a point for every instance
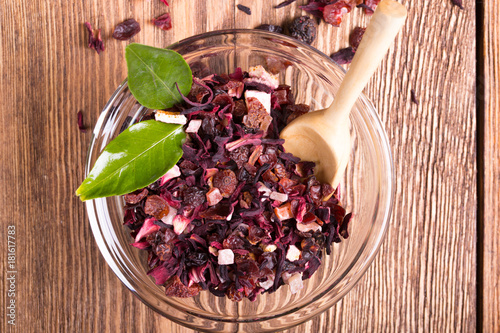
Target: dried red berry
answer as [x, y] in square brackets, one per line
[164, 22]
[174, 287]
[226, 182]
[355, 37]
[127, 29]
[304, 29]
[93, 42]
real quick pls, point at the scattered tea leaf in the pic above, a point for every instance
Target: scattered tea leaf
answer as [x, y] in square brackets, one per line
[152, 74]
[134, 159]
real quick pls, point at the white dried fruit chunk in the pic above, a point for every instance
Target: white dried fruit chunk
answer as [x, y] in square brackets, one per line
[226, 257]
[293, 253]
[313, 226]
[193, 126]
[258, 72]
[268, 248]
[295, 283]
[262, 97]
[170, 117]
[281, 197]
[267, 284]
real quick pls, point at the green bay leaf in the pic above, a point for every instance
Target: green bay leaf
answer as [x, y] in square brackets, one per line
[137, 157]
[152, 74]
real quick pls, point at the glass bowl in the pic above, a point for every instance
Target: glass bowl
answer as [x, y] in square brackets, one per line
[367, 190]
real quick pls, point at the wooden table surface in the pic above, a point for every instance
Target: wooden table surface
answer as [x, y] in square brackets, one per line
[438, 268]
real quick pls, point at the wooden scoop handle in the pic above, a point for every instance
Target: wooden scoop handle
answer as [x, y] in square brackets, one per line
[388, 19]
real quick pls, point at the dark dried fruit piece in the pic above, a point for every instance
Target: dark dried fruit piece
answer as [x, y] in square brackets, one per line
[271, 28]
[174, 287]
[127, 29]
[164, 22]
[343, 56]
[245, 9]
[304, 29]
[226, 182]
[93, 42]
[156, 206]
[81, 126]
[355, 37]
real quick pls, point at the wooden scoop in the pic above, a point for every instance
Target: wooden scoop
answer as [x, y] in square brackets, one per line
[323, 136]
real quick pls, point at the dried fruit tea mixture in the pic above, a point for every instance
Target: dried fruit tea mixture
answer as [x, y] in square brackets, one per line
[236, 215]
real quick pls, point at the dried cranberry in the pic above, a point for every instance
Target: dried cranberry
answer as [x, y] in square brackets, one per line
[355, 37]
[164, 22]
[226, 182]
[304, 29]
[271, 28]
[127, 29]
[194, 196]
[174, 287]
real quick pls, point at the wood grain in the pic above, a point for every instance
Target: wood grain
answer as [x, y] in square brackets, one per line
[423, 279]
[490, 209]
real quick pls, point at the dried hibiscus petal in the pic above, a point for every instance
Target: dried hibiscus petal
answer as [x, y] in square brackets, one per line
[164, 22]
[94, 42]
[127, 29]
[165, 2]
[81, 126]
